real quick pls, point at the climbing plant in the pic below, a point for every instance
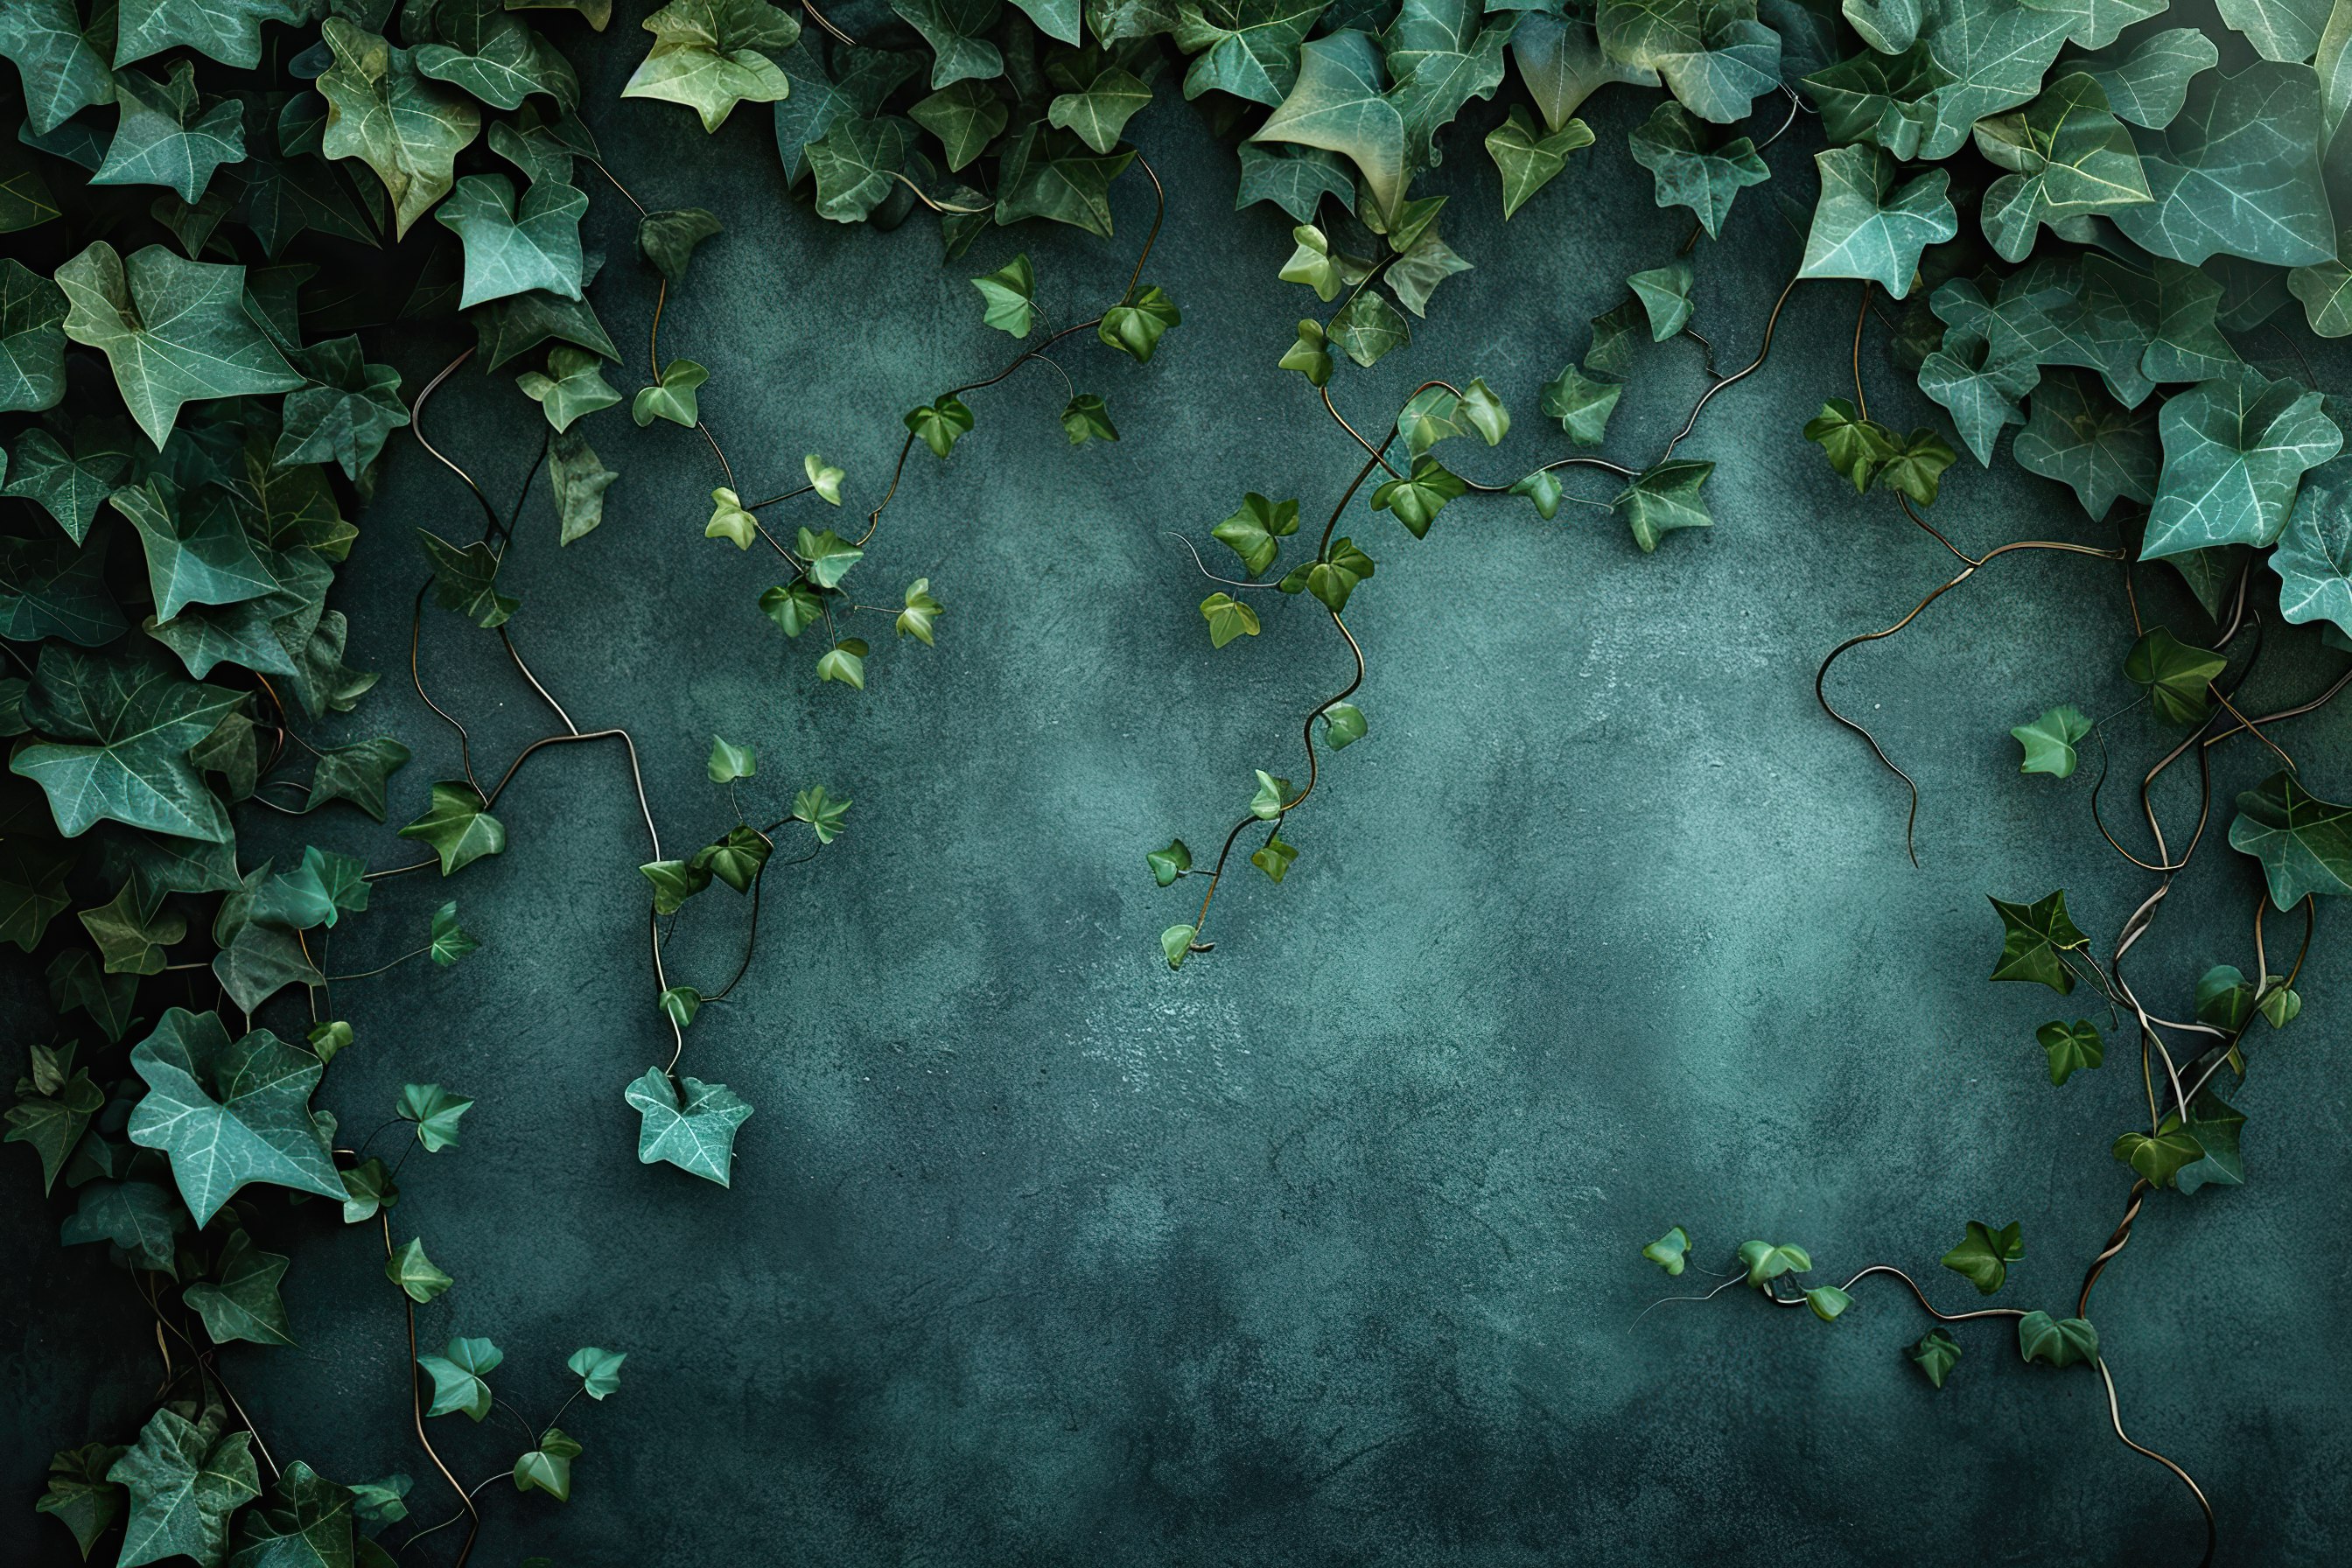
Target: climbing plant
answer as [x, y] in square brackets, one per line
[2091, 221]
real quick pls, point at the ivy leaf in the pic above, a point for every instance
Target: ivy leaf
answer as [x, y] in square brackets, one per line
[856, 164]
[2049, 742]
[737, 858]
[311, 1527]
[1099, 114]
[1855, 446]
[1135, 327]
[1228, 618]
[1666, 295]
[131, 931]
[79, 1496]
[1716, 58]
[458, 826]
[2069, 157]
[2079, 436]
[451, 942]
[120, 752]
[63, 65]
[2059, 1342]
[2304, 843]
[1170, 863]
[1267, 804]
[1977, 387]
[599, 1371]
[1249, 49]
[966, 116]
[2072, 1047]
[730, 761]
[573, 385]
[1009, 295]
[1765, 1262]
[1866, 225]
[1341, 103]
[140, 1218]
[1275, 858]
[1672, 144]
[467, 581]
[1828, 1302]
[513, 247]
[1984, 1254]
[1889, 26]
[459, 1374]
[2149, 86]
[1310, 355]
[578, 479]
[1368, 328]
[2032, 937]
[346, 412]
[696, 1134]
[1420, 496]
[1332, 578]
[184, 1479]
[845, 662]
[1084, 419]
[174, 331]
[52, 1122]
[1915, 466]
[1343, 725]
[32, 342]
[1935, 1355]
[2159, 1158]
[823, 813]
[229, 1114]
[1886, 99]
[409, 1268]
[796, 607]
[2314, 558]
[69, 487]
[1582, 403]
[827, 557]
[2237, 172]
[672, 397]
[729, 520]
[169, 135]
[382, 111]
[1663, 499]
[434, 1110]
[667, 240]
[1254, 532]
[243, 1303]
[674, 881]
[940, 425]
[1670, 1252]
[711, 55]
[195, 555]
[2235, 448]
[548, 1467]
[2176, 677]
[1176, 944]
[1529, 160]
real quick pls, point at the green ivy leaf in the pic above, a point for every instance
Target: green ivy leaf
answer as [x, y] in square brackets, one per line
[1099, 114]
[2079, 436]
[1275, 858]
[966, 116]
[1582, 405]
[1310, 355]
[1666, 295]
[1269, 803]
[673, 397]
[1168, 864]
[2159, 1158]
[1249, 49]
[667, 240]
[467, 581]
[1916, 465]
[1672, 144]
[2237, 172]
[2032, 938]
[434, 1110]
[1765, 1261]
[548, 1467]
[823, 813]
[921, 612]
[2059, 1342]
[409, 1268]
[140, 1218]
[940, 425]
[1084, 418]
[32, 342]
[696, 1134]
[730, 761]
[1367, 329]
[1528, 159]
[737, 858]
[69, 487]
[1716, 58]
[229, 1114]
[345, 415]
[2177, 678]
[450, 941]
[1332, 578]
[1176, 944]
[64, 64]
[458, 826]
[1935, 1355]
[1828, 1302]
[241, 1302]
[2069, 157]
[310, 1527]
[2314, 558]
[460, 1375]
[1343, 725]
[1339, 102]
[1135, 328]
[2235, 448]
[711, 55]
[1420, 496]
[79, 1496]
[730, 519]
[2049, 742]
[169, 135]
[1873, 223]
[827, 557]
[1663, 499]
[131, 929]
[599, 1371]
[1984, 1254]
[679, 1004]
[1671, 1251]
[1543, 489]
[1228, 618]
[578, 479]
[121, 733]
[1009, 294]
[389, 116]
[574, 386]
[184, 1479]
[2304, 843]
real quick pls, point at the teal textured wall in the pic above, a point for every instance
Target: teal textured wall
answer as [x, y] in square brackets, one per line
[1323, 1249]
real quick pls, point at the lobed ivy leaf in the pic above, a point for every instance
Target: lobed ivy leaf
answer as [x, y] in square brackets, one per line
[1417, 498]
[940, 425]
[65, 64]
[2072, 1047]
[578, 480]
[2237, 172]
[1663, 497]
[2235, 449]
[229, 1114]
[1871, 223]
[1009, 294]
[120, 732]
[599, 1371]
[548, 1467]
[1135, 326]
[2177, 678]
[1098, 114]
[459, 1376]
[184, 1479]
[1673, 145]
[2059, 1342]
[415, 1273]
[2033, 938]
[1529, 159]
[1984, 1254]
[1666, 295]
[2079, 436]
[1766, 1261]
[385, 113]
[1716, 57]
[1341, 103]
[1168, 864]
[458, 826]
[1671, 1251]
[1935, 1355]
[79, 1496]
[711, 55]
[1274, 858]
[1249, 49]
[345, 414]
[169, 134]
[1176, 944]
[966, 116]
[2304, 843]
[690, 1124]
[2159, 1157]
[1228, 618]
[2049, 742]
[514, 246]
[1367, 329]
[241, 1301]
[672, 396]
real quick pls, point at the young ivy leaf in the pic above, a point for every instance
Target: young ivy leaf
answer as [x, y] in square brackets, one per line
[823, 813]
[1275, 858]
[1333, 578]
[458, 826]
[1671, 1251]
[679, 1004]
[1168, 864]
[674, 881]
[451, 942]
[737, 858]
[1009, 294]
[711, 55]
[667, 240]
[1430, 415]
[242, 1302]
[672, 397]
[1529, 160]
[1582, 403]
[2059, 1342]
[1420, 496]
[1672, 144]
[599, 1371]
[467, 581]
[434, 1110]
[2159, 1158]
[1855, 447]
[1367, 329]
[458, 1376]
[1313, 264]
[827, 557]
[2033, 936]
[1765, 1262]
[2050, 741]
[695, 1132]
[1254, 532]
[1084, 419]
[730, 519]
[730, 761]
[573, 385]
[824, 478]
[940, 425]
[1935, 1355]
[548, 1467]
[2304, 843]
[414, 1272]
[1915, 466]
[1176, 944]
[1663, 499]
[2072, 1047]
[796, 607]
[1134, 328]
[845, 662]
[368, 1191]
[921, 614]
[1666, 295]
[1272, 795]
[2177, 677]
[578, 480]
[1984, 1254]
[1828, 1302]
[1484, 412]
[1343, 725]
[1228, 618]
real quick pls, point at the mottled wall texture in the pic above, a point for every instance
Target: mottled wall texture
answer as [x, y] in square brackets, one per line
[1323, 1250]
